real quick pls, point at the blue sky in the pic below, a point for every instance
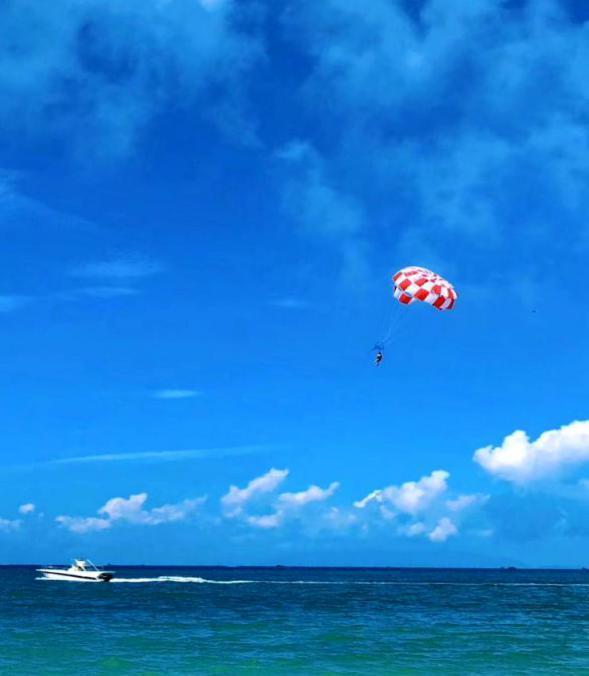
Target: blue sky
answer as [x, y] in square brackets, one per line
[202, 205]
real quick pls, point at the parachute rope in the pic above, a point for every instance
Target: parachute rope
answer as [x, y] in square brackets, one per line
[386, 326]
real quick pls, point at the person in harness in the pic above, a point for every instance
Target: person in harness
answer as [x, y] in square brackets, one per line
[378, 358]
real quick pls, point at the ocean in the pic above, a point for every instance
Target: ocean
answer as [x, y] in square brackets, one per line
[296, 621]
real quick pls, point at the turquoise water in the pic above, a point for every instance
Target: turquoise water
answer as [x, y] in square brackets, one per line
[293, 621]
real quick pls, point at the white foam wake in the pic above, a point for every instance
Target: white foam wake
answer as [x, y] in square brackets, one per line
[400, 583]
[177, 578]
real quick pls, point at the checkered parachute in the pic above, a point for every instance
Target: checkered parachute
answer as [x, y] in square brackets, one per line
[420, 284]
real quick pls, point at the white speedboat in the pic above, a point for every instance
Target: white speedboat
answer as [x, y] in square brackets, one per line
[81, 570]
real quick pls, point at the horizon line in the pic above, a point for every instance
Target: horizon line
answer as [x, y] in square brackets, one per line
[509, 568]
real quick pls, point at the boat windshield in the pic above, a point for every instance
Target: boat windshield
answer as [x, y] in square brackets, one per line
[84, 564]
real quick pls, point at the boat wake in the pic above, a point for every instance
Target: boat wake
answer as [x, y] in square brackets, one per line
[178, 579]
[400, 583]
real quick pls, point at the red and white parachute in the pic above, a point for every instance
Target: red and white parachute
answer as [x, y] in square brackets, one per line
[414, 283]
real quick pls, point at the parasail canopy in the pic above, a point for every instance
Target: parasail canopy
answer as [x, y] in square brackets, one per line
[414, 283]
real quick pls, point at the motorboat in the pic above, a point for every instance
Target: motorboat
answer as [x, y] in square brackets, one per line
[81, 570]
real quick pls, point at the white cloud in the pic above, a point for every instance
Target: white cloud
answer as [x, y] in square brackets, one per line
[443, 530]
[27, 508]
[411, 497]
[520, 460]
[266, 521]
[131, 510]
[339, 519]
[415, 496]
[312, 494]
[234, 501]
[78, 524]
[414, 529]
[176, 394]
[420, 508]
[386, 513]
[171, 512]
[413, 509]
[128, 509]
[286, 506]
[8, 525]
[465, 501]
[375, 495]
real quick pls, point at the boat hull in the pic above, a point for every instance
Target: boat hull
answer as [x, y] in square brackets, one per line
[56, 574]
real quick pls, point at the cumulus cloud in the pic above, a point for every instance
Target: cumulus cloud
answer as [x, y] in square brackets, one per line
[415, 496]
[463, 502]
[339, 519]
[284, 507]
[311, 494]
[411, 497]
[131, 510]
[374, 496]
[422, 509]
[266, 521]
[521, 461]
[78, 524]
[236, 499]
[444, 529]
[27, 508]
[415, 529]
[386, 513]
[289, 506]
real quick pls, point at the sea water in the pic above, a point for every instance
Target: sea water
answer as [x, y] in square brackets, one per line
[296, 621]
